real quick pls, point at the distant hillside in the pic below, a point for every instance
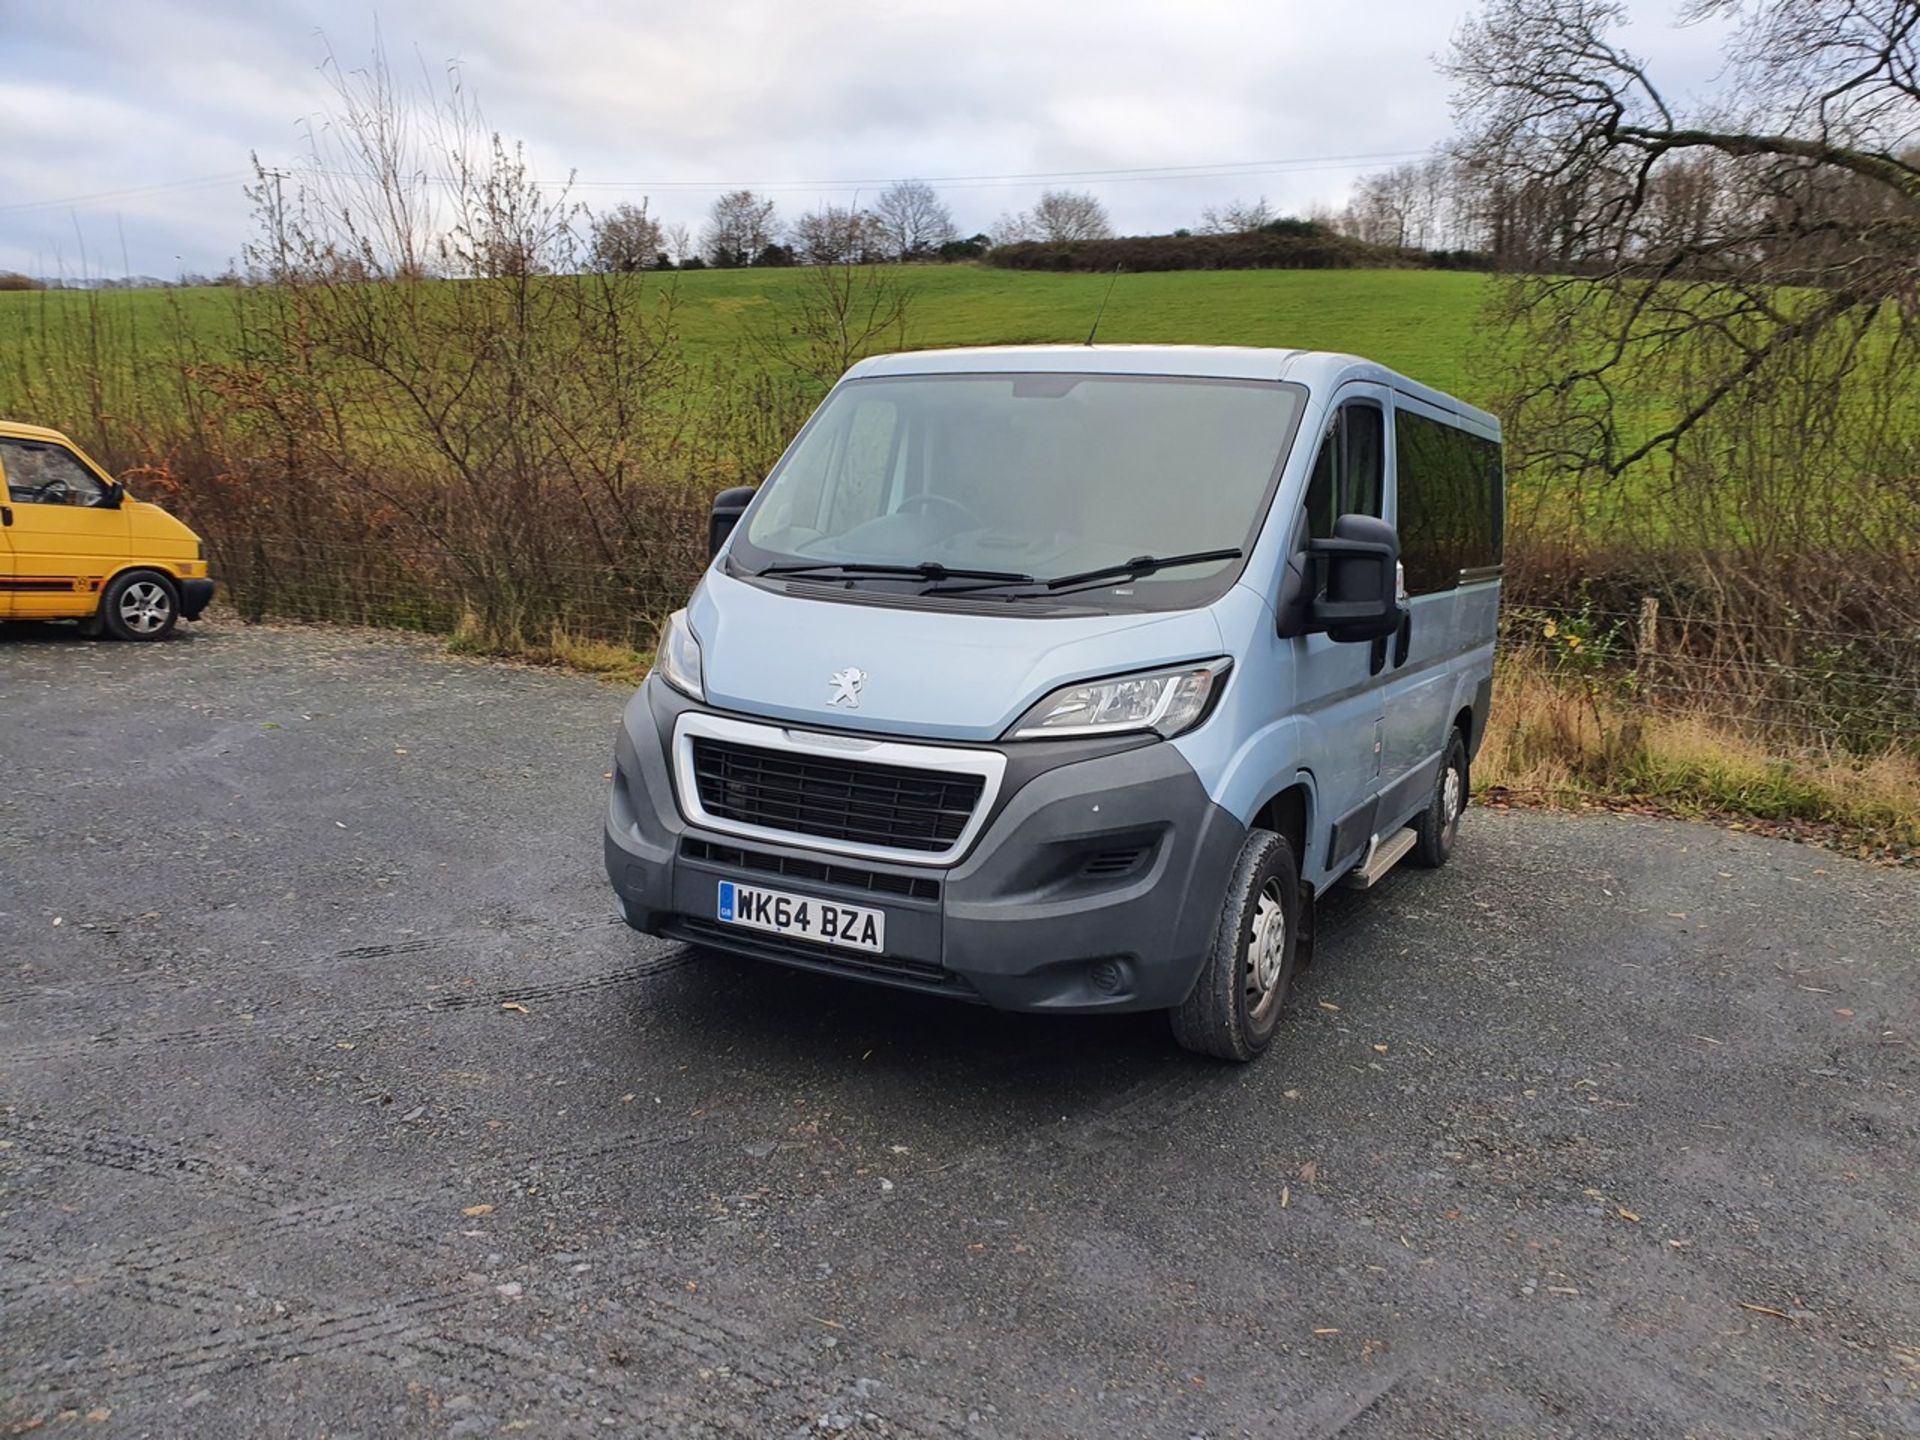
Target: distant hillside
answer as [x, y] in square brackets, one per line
[1419, 322]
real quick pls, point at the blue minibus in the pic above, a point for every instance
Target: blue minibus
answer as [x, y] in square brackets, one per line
[1067, 678]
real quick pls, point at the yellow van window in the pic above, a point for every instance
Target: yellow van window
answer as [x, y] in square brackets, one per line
[42, 474]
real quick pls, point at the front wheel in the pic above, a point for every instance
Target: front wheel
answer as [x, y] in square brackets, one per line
[140, 605]
[1235, 1005]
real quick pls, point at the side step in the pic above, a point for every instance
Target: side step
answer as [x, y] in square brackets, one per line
[1381, 857]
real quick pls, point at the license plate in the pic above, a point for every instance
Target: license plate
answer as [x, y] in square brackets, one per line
[856, 927]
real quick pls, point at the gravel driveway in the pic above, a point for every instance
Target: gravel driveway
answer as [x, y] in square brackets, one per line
[333, 1100]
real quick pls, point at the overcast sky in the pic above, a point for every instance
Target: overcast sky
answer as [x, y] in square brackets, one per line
[128, 124]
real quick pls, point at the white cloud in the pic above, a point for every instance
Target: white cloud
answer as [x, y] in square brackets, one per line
[134, 93]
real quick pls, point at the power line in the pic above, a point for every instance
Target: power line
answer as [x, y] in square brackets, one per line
[1216, 170]
[1221, 169]
[131, 192]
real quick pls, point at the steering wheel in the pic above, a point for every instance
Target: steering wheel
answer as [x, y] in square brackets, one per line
[922, 502]
[53, 492]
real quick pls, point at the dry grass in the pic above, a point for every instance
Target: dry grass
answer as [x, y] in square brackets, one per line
[617, 663]
[1558, 741]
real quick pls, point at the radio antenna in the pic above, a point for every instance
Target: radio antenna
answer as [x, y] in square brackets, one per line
[1093, 329]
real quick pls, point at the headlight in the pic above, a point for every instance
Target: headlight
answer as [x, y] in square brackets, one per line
[1165, 701]
[678, 657]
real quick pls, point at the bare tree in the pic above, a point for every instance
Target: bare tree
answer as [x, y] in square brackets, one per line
[1070, 215]
[626, 239]
[841, 312]
[911, 220]
[740, 225]
[1059, 215]
[1731, 308]
[505, 226]
[370, 161]
[678, 240]
[1013, 227]
[1236, 217]
[831, 235]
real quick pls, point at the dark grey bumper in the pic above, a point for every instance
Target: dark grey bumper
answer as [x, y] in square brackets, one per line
[195, 596]
[1094, 886]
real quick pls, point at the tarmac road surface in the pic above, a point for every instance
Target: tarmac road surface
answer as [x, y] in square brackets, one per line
[334, 1101]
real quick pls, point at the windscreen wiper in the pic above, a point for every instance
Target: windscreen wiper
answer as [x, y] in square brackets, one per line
[1139, 566]
[1127, 570]
[925, 570]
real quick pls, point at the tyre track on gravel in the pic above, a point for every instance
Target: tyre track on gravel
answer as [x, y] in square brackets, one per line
[169, 1261]
[314, 1025]
[67, 991]
[167, 1274]
[125, 1375]
[784, 1385]
[165, 1160]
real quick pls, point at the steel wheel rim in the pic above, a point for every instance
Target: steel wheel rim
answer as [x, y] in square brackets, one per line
[1266, 951]
[1452, 792]
[144, 607]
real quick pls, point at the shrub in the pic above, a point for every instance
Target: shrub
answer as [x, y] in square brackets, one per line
[1312, 248]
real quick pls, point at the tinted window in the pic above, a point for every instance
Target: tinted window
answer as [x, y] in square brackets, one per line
[1349, 472]
[1450, 517]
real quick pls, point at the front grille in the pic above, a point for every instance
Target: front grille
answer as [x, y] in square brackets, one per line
[896, 806]
[854, 877]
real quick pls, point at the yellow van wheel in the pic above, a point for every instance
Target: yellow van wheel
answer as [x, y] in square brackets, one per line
[140, 605]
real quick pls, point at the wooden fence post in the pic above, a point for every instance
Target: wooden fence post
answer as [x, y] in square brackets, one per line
[1646, 643]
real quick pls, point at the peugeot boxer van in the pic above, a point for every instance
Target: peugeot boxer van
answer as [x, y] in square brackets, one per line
[1067, 678]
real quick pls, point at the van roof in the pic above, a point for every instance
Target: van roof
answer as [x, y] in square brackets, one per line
[20, 430]
[1316, 369]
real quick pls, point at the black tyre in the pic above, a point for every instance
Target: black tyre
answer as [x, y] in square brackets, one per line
[1236, 1003]
[140, 605]
[1439, 824]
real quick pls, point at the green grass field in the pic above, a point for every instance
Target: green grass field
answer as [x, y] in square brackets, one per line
[1422, 323]
[1419, 322]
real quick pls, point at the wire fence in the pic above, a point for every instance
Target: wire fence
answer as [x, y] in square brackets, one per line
[1856, 691]
[503, 601]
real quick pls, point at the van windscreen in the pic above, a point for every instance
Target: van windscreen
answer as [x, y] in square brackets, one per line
[1031, 474]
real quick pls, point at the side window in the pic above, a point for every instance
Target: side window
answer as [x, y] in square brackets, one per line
[1349, 473]
[1451, 502]
[43, 474]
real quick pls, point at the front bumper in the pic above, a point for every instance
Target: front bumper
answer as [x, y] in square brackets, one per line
[1094, 884]
[195, 596]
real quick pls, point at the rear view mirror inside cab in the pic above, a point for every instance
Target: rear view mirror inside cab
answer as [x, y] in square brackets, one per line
[1044, 387]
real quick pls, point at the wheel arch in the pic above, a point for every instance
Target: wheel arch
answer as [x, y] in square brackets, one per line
[158, 567]
[1289, 811]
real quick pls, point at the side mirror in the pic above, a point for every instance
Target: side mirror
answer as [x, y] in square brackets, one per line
[1355, 593]
[115, 497]
[728, 507]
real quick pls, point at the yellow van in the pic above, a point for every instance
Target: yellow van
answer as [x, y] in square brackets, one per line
[74, 545]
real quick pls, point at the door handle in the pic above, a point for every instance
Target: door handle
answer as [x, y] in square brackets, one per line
[6, 514]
